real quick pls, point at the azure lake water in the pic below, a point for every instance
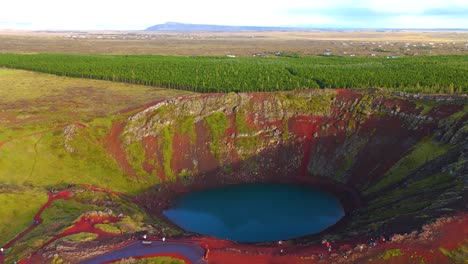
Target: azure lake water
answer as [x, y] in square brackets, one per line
[256, 212]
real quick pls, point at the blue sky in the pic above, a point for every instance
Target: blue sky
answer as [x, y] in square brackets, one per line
[139, 14]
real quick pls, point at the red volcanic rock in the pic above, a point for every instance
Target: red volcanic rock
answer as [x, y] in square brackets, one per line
[396, 161]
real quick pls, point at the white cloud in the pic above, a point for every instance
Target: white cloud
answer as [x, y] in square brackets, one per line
[409, 6]
[139, 14]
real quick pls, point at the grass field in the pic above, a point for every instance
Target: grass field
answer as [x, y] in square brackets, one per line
[32, 102]
[35, 111]
[17, 210]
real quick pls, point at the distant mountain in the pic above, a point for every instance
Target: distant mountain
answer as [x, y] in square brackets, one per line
[186, 27]
[174, 26]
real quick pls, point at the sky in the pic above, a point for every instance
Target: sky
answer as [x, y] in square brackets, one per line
[140, 14]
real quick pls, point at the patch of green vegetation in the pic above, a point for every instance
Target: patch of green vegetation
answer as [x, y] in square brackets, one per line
[133, 219]
[245, 146]
[136, 157]
[110, 228]
[131, 224]
[124, 205]
[18, 158]
[319, 104]
[217, 124]
[101, 126]
[458, 255]
[81, 237]
[88, 163]
[410, 205]
[390, 254]
[414, 197]
[17, 210]
[134, 212]
[43, 160]
[153, 260]
[421, 153]
[186, 125]
[165, 139]
[16, 132]
[90, 197]
[241, 124]
[64, 212]
[59, 216]
[57, 259]
[426, 105]
[432, 183]
[95, 95]
[351, 125]
[125, 225]
[365, 105]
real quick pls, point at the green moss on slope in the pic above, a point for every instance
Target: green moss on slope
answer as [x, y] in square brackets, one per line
[81, 237]
[217, 124]
[318, 104]
[390, 254]
[423, 152]
[165, 141]
[245, 144]
[136, 157]
[421, 187]
[186, 125]
[458, 255]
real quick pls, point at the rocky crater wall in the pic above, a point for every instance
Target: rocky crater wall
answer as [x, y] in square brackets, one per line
[396, 161]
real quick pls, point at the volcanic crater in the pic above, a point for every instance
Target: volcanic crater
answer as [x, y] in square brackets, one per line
[395, 161]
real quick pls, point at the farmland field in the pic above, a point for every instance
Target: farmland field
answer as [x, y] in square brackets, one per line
[433, 74]
[359, 43]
